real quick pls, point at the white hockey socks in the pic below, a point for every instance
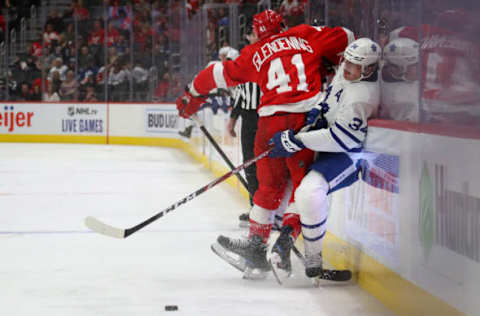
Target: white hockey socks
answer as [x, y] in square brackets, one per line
[261, 221]
[312, 203]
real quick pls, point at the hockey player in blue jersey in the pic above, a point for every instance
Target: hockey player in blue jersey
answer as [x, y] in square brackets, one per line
[339, 128]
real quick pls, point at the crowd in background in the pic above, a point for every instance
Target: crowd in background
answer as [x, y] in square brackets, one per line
[107, 50]
[94, 51]
[130, 50]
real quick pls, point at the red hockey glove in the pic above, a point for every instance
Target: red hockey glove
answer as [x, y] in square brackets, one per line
[187, 105]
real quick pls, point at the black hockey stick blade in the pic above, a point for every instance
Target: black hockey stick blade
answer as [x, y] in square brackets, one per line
[108, 230]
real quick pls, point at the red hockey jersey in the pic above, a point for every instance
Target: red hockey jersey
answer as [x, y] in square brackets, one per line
[287, 66]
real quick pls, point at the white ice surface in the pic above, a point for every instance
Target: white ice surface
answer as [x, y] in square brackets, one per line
[50, 264]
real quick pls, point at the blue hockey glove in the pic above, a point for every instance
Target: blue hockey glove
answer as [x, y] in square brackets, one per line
[312, 115]
[285, 144]
[315, 119]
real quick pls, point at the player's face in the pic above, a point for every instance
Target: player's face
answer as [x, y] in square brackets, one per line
[351, 71]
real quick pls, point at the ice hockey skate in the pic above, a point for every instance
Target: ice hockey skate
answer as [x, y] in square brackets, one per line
[314, 270]
[248, 256]
[187, 132]
[280, 258]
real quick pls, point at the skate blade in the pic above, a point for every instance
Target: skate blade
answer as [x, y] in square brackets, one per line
[233, 259]
[280, 274]
[329, 276]
[254, 274]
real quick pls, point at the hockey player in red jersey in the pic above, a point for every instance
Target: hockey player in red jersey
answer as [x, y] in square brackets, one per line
[287, 65]
[341, 121]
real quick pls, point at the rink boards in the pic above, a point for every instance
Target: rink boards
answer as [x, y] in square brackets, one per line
[409, 228]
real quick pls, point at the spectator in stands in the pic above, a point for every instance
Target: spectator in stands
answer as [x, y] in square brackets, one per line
[83, 58]
[72, 64]
[51, 95]
[20, 70]
[3, 89]
[25, 93]
[50, 35]
[122, 45]
[175, 88]
[14, 14]
[140, 81]
[192, 7]
[69, 87]
[117, 82]
[76, 10]
[123, 21]
[97, 35]
[159, 62]
[141, 5]
[292, 11]
[35, 72]
[161, 92]
[91, 69]
[112, 55]
[142, 33]
[69, 34]
[59, 67]
[222, 18]
[112, 34]
[56, 21]
[13, 86]
[34, 49]
[91, 94]
[36, 93]
[56, 52]
[211, 36]
[55, 81]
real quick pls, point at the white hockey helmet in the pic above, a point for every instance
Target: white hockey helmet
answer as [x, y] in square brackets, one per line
[401, 52]
[363, 52]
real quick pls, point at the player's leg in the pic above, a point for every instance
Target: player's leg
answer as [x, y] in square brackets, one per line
[278, 220]
[248, 131]
[332, 171]
[272, 177]
[298, 166]
[312, 203]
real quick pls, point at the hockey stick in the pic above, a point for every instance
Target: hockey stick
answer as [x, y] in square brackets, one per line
[105, 229]
[219, 150]
[324, 274]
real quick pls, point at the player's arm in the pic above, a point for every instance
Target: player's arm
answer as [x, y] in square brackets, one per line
[346, 134]
[331, 42]
[219, 75]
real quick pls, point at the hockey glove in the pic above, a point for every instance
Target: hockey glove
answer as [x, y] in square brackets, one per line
[315, 119]
[285, 144]
[187, 104]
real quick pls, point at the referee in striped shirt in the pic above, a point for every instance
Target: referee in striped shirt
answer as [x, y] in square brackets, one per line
[247, 98]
